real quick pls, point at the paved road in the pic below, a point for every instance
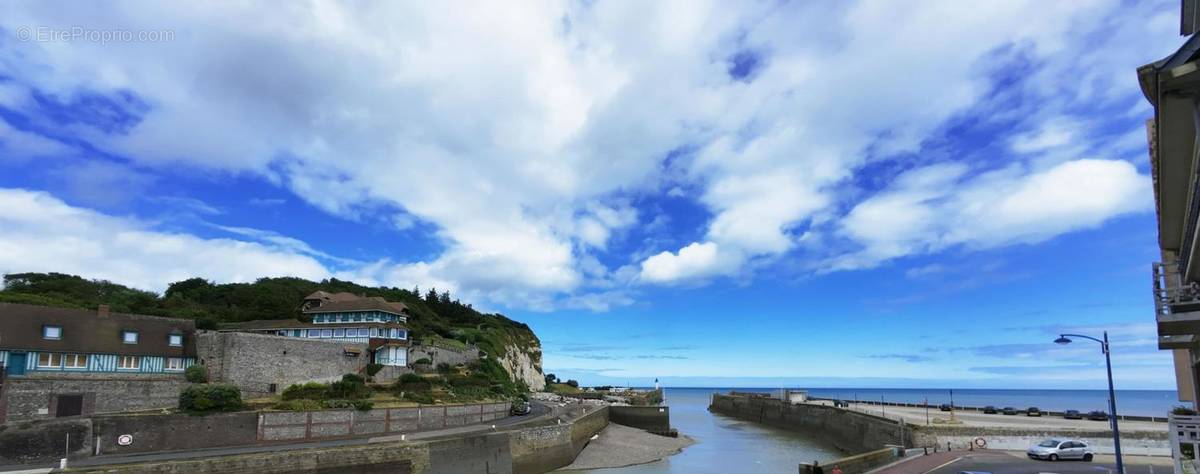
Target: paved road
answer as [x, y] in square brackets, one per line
[1004, 462]
[916, 416]
[539, 412]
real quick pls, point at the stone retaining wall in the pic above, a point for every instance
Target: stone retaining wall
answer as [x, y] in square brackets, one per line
[313, 425]
[545, 448]
[33, 395]
[859, 463]
[255, 362]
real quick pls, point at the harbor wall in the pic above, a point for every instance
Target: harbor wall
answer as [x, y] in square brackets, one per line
[656, 420]
[1009, 439]
[549, 447]
[849, 431]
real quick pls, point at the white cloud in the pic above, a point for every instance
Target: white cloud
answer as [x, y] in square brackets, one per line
[511, 129]
[696, 260]
[931, 208]
[44, 234]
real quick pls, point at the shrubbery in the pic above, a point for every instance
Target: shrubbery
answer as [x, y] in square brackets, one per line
[423, 361]
[196, 374]
[306, 391]
[373, 369]
[210, 398]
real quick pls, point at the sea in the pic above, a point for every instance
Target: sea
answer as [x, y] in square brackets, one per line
[725, 444]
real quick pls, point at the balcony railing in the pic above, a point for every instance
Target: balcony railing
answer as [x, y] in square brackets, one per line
[1171, 295]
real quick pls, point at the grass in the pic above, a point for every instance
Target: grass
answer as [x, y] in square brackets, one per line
[562, 388]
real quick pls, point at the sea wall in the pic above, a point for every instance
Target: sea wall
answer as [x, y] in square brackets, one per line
[44, 441]
[849, 431]
[150, 433]
[544, 446]
[859, 463]
[258, 363]
[653, 419]
[548, 447]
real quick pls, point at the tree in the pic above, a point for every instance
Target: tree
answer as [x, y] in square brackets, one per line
[551, 378]
[573, 383]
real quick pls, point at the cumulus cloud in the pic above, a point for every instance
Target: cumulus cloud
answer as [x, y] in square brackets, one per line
[934, 207]
[517, 132]
[42, 233]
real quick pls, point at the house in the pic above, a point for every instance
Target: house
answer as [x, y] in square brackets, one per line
[345, 318]
[58, 362]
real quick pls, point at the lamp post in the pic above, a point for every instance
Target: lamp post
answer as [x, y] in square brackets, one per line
[1112, 395]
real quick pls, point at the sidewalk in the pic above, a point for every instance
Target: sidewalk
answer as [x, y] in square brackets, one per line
[920, 463]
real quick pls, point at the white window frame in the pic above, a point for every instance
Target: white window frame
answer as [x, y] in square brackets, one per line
[129, 363]
[173, 364]
[403, 334]
[125, 337]
[171, 338]
[314, 333]
[75, 361]
[46, 330]
[54, 360]
[326, 333]
[339, 332]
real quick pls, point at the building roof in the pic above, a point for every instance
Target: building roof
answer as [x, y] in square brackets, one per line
[91, 331]
[339, 303]
[268, 324]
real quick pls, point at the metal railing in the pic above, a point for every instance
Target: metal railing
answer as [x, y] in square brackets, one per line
[1170, 291]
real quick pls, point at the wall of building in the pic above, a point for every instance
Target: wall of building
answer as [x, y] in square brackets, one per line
[849, 431]
[652, 419]
[252, 362]
[33, 396]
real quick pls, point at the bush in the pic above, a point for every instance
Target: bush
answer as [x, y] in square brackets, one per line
[308, 391]
[206, 323]
[196, 374]
[423, 361]
[1183, 411]
[411, 378]
[298, 405]
[373, 369]
[350, 387]
[443, 368]
[573, 383]
[361, 405]
[209, 398]
[419, 397]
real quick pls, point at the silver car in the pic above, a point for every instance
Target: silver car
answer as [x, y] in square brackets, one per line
[1055, 449]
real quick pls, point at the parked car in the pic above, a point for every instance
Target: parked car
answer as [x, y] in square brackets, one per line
[1072, 415]
[1033, 411]
[1055, 449]
[1009, 411]
[945, 407]
[841, 404]
[1097, 415]
[520, 408]
[990, 410]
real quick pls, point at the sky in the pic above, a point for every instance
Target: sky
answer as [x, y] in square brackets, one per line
[846, 194]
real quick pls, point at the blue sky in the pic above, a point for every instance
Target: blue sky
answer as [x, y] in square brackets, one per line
[872, 194]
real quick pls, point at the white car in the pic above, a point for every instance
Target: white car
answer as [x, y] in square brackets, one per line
[1055, 449]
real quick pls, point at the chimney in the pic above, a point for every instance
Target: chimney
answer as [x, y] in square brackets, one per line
[102, 311]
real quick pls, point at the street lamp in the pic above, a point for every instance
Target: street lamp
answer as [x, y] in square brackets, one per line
[1112, 396]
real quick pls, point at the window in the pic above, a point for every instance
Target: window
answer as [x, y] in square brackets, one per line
[48, 360]
[358, 316]
[314, 333]
[175, 340]
[76, 361]
[296, 332]
[129, 337]
[339, 333]
[129, 362]
[403, 334]
[326, 333]
[364, 332]
[51, 332]
[174, 363]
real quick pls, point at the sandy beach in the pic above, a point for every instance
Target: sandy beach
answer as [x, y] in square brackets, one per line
[620, 446]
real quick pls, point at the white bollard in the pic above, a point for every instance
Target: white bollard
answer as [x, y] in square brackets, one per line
[62, 463]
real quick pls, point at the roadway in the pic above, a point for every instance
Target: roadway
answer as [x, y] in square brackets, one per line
[917, 416]
[539, 412]
[1005, 462]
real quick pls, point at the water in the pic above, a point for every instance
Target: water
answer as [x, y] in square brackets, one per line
[1129, 402]
[725, 444]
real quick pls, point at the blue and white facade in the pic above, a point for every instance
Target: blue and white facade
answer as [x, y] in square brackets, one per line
[35, 361]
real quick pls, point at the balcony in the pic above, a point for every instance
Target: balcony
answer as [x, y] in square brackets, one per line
[1177, 308]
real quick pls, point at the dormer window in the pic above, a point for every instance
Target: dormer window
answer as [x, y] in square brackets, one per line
[129, 337]
[175, 340]
[52, 332]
